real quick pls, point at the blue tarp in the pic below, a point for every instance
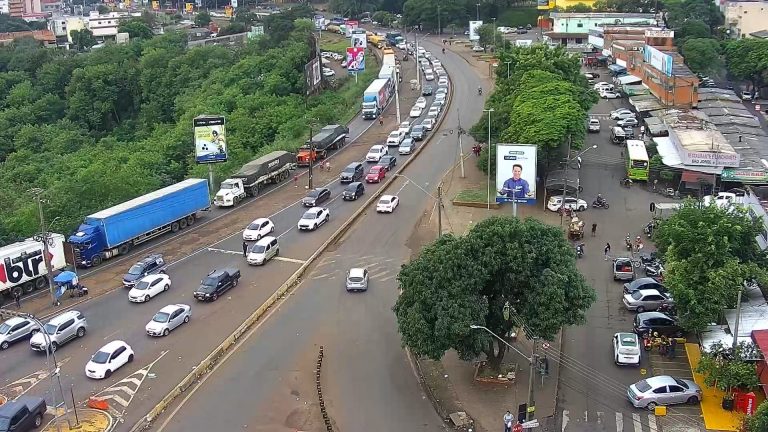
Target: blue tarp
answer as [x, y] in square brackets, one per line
[66, 277]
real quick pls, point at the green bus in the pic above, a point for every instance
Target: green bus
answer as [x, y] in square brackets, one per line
[637, 160]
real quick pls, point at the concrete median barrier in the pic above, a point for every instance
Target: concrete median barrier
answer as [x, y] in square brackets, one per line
[207, 364]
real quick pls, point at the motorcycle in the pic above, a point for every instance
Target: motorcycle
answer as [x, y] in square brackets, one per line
[649, 227]
[626, 182]
[648, 258]
[668, 309]
[654, 269]
[600, 203]
[580, 250]
[647, 341]
[628, 242]
[479, 91]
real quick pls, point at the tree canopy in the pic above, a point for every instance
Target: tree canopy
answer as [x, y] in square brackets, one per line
[747, 59]
[703, 55]
[758, 422]
[709, 252]
[527, 267]
[544, 101]
[99, 128]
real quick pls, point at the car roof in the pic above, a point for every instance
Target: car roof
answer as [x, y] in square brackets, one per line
[648, 291]
[265, 240]
[149, 259]
[260, 220]
[315, 209]
[172, 307]
[642, 281]
[387, 197]
[660, 380]
[14, 320]
[111, 346]
[354, 185]
[649, 315]
[377, 167]
[360, 272]
[377, 147]
[58, 319]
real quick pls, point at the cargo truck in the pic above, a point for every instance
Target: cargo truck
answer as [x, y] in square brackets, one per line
[394, 38]
[331, 137]
[375, 98]
[253, 176]
[22, 264]
[375, 40]
[116, 230]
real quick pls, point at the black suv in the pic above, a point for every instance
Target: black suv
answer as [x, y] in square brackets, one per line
[217, 283]
[353, 191]
[352, 172]
[147, 266]
[388, 162]
[644, 283]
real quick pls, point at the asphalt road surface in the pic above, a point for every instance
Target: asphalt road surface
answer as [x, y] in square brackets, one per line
[368, 381]
[161, 363]
[592, 396]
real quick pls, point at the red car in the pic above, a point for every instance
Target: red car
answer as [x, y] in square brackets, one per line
[376, 174]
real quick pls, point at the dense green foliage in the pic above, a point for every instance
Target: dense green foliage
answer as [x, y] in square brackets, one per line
[758, 422]
[544, 101]
[526, 267]
[747, 59]
[99, 128]
[10, 24]
[703, 55]
[709, 252]
[728, 369]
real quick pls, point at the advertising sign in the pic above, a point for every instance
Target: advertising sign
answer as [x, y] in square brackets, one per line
[659, 33]
[312, 74]
[319, 22]
[189, 7]
[473, 25]
[712, 159]
[156, 5]
[350, 25]
[199, 3]
[233, 3]
[542, 4]
[662, 62]
[210, 139]
[355, 59]
[516, 173]
[745, 175]
[359, 40]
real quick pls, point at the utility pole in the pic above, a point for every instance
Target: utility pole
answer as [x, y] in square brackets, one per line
[565, 178]
[508, 63]
[311, 157]
[44, 237]
[439, 29]
[738, 318]
[439, 210]
[489, 111]
[397, 94]
[531, 402]
[461, 149]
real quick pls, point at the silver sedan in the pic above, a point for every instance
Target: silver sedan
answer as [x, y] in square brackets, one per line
[663, 390]
[168, 318]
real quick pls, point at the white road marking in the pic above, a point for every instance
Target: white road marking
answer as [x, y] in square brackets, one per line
[323, 276]
[25, 384]
[111, 334]
[565, 419]
[586, 416]
[600, 417]
[652, 423]
[291, 260]
[619, 422]
[137, 379]
[636, 421]
[225, 251]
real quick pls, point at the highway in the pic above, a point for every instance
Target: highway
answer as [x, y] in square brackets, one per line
[369, 384]
[161, 363]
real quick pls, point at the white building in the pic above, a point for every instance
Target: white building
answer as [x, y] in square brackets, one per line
[742, 18]
[4, 8]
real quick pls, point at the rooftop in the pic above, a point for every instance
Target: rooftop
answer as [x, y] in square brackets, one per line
[695, 131]
[596, 15]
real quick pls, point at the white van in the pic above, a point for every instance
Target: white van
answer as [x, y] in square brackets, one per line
[263, 250]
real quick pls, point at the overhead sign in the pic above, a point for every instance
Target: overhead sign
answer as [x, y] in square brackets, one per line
[659, 33]
[662, 62]
[473, 25]
[516, 174]
[210, 139]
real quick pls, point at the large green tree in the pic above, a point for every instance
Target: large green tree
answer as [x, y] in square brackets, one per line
[136, 28]
[504, 274]
[82, 39]
[426, 12]
[680, 11]
[747, 59]
[703, 56]
[709, 253]
[758, 422]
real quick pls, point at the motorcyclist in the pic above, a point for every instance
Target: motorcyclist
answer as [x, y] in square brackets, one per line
[443, 50]
[580, 249]
[628, 241]
[480, 91]
[600, 200]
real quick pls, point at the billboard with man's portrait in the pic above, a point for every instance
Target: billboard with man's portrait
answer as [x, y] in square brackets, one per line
[516, 173]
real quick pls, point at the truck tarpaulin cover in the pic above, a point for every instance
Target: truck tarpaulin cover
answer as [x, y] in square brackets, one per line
[265, 165]
[210, 139]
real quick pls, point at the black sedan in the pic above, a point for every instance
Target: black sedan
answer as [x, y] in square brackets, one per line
[316, 196]
[388, 162]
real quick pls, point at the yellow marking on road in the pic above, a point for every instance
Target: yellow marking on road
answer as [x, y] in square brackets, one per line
[90, 420]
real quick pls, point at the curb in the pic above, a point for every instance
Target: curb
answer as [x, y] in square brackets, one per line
[205, 365]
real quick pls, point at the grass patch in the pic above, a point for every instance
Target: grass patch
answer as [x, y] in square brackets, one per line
[334, 43]
[477, 195]
[514, 17]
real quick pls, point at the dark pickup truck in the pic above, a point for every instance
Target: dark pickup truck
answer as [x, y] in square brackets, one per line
[22, 415]
[217, 283]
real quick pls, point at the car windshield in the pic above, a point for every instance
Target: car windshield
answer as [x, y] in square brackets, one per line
[313, 194]
[136, 269]
[141, 286]
[355, 279]
[4, 328]
[50, 329]
[374, 170]
[628, 341]
[309, 215]
[384, 201]
[254, 226]
[161, 317]
[100, 357]
[637, 295]
[394, 135]
[258, 248]
[643, 386]
[210, 282]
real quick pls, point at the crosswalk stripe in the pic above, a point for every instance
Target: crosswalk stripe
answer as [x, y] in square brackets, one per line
[600, 417]
[129, 391]
[566, 418]
[619, 422]
[636, 421]
[652, 423]
[117, 399]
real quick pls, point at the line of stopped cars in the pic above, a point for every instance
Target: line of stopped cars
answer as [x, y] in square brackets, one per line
[654, 320]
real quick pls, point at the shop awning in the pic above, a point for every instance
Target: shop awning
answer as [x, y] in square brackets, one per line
[671, 158]
[760, 338]
[629, 79]
[696, 177]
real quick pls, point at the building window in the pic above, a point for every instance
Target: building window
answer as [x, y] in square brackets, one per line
[579, 25]
[579, 40]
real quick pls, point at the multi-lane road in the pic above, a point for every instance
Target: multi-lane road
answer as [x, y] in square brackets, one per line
[382, 241]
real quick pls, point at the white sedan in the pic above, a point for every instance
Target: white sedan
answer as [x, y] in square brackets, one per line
[617, 114]
[148, 287]
[421, 102]
[405, 127]
[108, 359]
[313, 218]
[327, 72]
[416, 111]
[387, 204]
[607, 94]
[168, 318]
[258, 229]
[626, 349]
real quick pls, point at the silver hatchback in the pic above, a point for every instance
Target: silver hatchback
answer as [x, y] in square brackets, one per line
[663, 390]
[357, 279]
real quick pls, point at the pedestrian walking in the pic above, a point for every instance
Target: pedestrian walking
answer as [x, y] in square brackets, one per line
[245, 248]
[594, 229]
[672, 346]
[296, 181]
[327, 166]
[381, 121]
[508, 418]
[17, 299]
[607, 250]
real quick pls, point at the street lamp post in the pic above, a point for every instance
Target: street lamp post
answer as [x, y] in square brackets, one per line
[397, 95]
[531, 361]
[489, 111]
[494, 35]
[438, 198]
[568, 160]
[478, 11]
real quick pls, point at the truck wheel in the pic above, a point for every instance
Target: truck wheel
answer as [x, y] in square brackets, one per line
[190, 220]
[124, 248]
[96, 260]
[38, 420]
[41, 282]
[183, 223]
[174, 227]
[28, 287]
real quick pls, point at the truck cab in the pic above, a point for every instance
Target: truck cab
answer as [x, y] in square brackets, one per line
[87, 244]
[230, 193]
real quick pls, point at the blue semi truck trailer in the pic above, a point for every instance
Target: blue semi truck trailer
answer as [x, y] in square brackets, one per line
[116, 230]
